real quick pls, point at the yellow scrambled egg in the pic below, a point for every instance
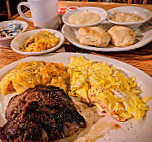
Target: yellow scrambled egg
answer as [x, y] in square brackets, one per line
[106, 87]
[42, 40]
[30, 74]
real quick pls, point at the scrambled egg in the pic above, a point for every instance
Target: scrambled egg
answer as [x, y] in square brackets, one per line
[40, 41]
[30, 74]
[106, 87]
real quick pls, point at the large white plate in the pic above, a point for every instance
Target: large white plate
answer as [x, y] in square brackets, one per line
[144, 36]
[21, 39]
[130, 131]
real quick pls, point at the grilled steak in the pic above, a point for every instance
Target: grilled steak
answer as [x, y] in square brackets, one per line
[41, 114]
[22, 129]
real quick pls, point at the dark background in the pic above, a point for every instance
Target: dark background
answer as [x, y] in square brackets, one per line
[13, 7]
[14, 3]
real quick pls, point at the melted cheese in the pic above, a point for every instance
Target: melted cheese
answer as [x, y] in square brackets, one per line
[40, 41]
[30, 74]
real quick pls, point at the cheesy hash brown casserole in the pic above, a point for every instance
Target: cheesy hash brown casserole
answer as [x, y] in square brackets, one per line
[30, 74]
[40, 41]
[99, 84]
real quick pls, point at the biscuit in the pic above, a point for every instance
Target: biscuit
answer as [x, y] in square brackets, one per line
[122, 36]
[95, 36]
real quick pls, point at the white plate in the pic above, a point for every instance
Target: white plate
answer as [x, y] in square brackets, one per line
[100, 11]
[130, 131]
[144, 36]
[21, 39]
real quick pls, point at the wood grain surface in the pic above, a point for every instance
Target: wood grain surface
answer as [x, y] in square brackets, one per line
[140, 58]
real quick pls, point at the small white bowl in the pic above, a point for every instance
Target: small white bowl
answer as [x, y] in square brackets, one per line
[21, 39]
[144, 13]
[5, 42]
[103, 14]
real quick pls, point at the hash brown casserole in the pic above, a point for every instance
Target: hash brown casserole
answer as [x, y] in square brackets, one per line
[30, 74]
[40, 41]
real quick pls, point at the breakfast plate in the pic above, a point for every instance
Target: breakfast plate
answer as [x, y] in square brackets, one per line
[20, 40]
[129, 131]
[143, 37]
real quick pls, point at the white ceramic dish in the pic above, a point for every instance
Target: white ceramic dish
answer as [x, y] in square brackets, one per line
[144, 36]
[144, 13]
[100, 11]
[5, 42]
[131, 130]
[20, 41]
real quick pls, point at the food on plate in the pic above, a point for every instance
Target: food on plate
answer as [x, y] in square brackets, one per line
[40, 41]
[42, 113]
[118, 35]
[95, 36]
[106, 87]
[83, 18]
[30, 74]
[122, 36]
[125, 17]
[45, 113]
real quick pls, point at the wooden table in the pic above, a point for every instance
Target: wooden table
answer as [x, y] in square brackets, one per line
[140, 58]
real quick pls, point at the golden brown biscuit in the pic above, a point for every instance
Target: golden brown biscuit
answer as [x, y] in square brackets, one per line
[122, 36]
[95, 36]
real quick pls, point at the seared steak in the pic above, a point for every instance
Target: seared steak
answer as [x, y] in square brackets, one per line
[40, 114]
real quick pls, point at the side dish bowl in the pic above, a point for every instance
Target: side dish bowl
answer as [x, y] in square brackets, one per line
[20, 40]
[101, 12]
[5, 42]
[144, 13]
